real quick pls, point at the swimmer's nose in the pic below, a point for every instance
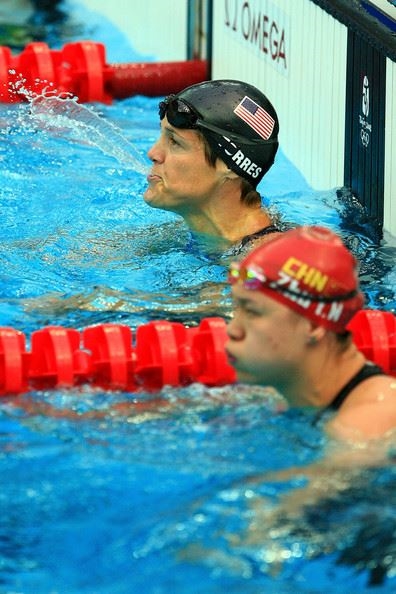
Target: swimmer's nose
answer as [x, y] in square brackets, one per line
[155, 153]
[234, 329]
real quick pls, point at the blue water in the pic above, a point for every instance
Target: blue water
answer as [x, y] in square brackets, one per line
[134, 492]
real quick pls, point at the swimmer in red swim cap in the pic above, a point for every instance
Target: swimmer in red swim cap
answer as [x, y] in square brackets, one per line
[294, 297]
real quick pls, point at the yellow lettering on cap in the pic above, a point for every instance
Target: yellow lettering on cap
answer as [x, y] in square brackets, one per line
[291, 266]
[310, 276]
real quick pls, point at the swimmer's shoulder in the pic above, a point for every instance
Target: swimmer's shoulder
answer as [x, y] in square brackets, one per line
[369, 411]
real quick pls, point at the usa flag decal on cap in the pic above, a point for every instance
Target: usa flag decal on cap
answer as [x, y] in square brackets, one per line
[256, 117]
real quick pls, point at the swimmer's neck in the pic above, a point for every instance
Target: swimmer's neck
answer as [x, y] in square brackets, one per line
[212, 244]
[226, 227]
[324, 361]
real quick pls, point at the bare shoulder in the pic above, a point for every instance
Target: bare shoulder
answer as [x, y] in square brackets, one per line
[369, 411]
[373, 390]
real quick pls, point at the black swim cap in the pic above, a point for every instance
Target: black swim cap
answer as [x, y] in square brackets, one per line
[247, 139]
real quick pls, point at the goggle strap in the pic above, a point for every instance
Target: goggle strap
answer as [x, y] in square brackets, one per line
[316, 298]
[232, 135]
[254, 282]
[200, 123]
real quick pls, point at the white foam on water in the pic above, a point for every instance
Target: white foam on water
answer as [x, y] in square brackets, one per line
[80, 122]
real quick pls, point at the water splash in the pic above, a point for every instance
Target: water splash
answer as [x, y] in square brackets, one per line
[81, 123]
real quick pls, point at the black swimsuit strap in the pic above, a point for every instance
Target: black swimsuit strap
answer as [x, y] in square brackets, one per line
[368, 370]
[260, 233]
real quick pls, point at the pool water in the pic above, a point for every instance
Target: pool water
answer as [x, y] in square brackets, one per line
[175, 491]
[119, 259]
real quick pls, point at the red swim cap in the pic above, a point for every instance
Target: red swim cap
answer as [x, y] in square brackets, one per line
[310, 270]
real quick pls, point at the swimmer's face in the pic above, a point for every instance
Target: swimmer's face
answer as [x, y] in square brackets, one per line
[181, 179]
[267, 340]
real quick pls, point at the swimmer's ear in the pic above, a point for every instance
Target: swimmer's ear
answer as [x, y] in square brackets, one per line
[315, 334]
[225, 170]
[232, 175]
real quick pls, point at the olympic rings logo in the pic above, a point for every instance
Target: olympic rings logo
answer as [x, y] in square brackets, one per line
[364, 137]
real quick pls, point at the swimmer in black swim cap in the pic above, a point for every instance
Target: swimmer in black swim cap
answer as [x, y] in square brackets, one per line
[237, 120]
[218, 139]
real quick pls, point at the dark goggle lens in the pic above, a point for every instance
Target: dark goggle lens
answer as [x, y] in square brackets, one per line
[179, 114]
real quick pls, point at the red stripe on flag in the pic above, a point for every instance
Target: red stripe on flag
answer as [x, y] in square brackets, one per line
[256, 117]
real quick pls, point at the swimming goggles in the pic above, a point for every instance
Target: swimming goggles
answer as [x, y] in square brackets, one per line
[251, 278]
[183, 115]
[254, 279]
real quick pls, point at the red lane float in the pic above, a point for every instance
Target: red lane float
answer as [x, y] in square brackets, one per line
[109, 355]
[158, 353]
[374, 333]
[80, 69]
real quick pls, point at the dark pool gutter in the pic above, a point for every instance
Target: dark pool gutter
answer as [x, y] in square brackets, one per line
[353, 14]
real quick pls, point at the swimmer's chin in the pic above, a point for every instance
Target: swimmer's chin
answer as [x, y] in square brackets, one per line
[241, 376]
[152, 189]
[149, 197]
[149, 194]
